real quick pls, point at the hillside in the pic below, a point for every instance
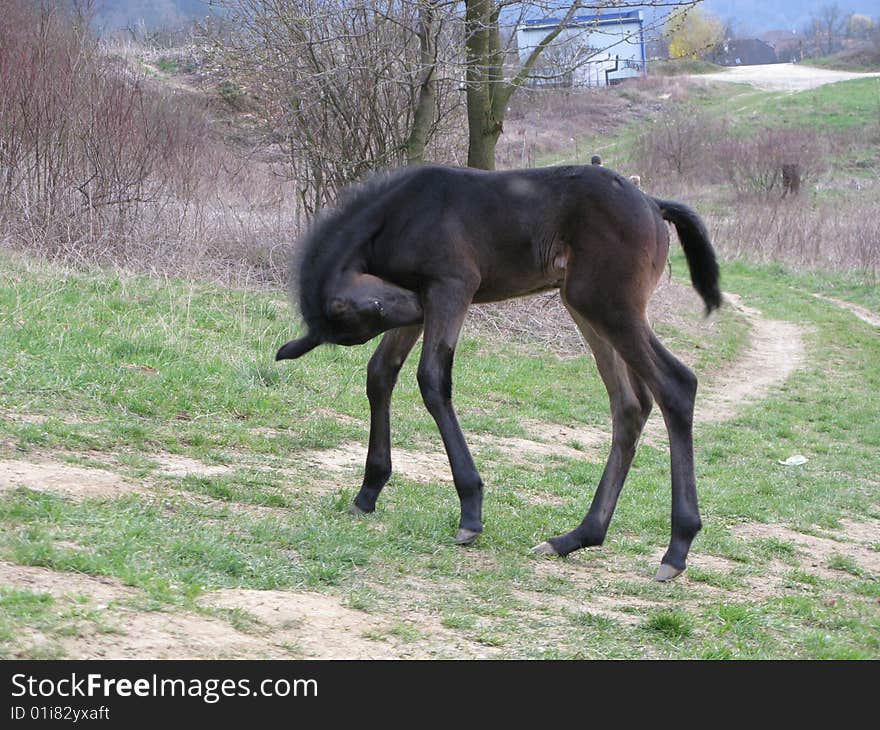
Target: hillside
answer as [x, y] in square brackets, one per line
[751, 17]
[113, 15]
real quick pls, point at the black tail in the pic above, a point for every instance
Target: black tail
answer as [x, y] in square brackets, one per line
[697, 250]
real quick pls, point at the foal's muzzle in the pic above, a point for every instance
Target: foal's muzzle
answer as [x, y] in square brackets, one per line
[297, 348]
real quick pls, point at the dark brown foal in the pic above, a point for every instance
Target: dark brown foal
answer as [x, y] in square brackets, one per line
[411, 251]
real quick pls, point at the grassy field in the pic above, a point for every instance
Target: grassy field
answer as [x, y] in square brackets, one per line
[839, 108]
[166, 488]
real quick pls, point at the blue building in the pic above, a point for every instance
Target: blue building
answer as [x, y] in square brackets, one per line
[594, 50]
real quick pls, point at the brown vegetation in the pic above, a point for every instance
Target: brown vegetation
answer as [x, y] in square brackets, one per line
[101, 166]
[691, 155]
[108, 160]
[828, 235]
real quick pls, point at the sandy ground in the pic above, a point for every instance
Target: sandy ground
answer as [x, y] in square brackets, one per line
[782, 76]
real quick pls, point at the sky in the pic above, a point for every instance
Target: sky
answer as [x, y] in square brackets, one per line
[750, 17]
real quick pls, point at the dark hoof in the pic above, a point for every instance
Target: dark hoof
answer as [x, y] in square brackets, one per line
[465, 536]
[545, 548]
[667, 572]
[353, 509]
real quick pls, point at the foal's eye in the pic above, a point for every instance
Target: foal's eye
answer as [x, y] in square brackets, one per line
[377, 305]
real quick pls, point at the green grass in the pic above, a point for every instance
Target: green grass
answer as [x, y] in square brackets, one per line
[847, 110]
[669, 624]
[859, 61]
[168, 65]
[113, 371]
[834, 107]
[37, 622]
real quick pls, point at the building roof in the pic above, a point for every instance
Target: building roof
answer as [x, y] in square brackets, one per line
[631, 16]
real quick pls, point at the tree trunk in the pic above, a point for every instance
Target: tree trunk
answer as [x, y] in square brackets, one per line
[487, 90]
[423, 112]
[484, 82]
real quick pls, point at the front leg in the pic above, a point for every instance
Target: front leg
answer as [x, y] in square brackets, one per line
[445, 307]
[381, 377]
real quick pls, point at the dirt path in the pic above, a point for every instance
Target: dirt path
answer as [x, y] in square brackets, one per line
[788, 77]
[866, 315]
[57, 477]
[776, 350]
[279, 625]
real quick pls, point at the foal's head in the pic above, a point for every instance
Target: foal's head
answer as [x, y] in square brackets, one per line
[357, 307]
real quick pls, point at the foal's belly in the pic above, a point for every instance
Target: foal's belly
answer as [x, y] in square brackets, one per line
[520, 270]
[496, 291]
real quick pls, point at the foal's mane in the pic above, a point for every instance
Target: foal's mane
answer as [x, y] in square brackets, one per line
[334, 234]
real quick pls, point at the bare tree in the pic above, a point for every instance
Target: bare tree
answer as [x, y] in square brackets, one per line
[423, 112]
[832, 22]
[351, 85]
[344, 87]
[825, 31]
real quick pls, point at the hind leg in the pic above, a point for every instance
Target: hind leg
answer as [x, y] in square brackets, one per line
[673, 387]
[679, 388]
[382, 374]
[631, 403]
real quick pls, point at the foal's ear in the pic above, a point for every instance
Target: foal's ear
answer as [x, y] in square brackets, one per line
[296, 348]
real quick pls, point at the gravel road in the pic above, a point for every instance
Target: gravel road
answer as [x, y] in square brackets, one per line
[783, 76]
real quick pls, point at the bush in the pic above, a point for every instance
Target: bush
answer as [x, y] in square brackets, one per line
[753, 164]
[680, 143]
[683, 66]
[83, 145]
[838, 235]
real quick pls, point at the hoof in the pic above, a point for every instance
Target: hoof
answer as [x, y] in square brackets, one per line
[465, 536]
[667, 572]
[545, 548]
[353, 509]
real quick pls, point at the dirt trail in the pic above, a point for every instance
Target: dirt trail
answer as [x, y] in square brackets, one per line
[284, 624]
[866, 315]
[277, 625]
[854, 541]
[776, 349]
[63, 479]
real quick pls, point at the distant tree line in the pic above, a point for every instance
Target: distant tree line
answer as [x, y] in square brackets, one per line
[696, 33]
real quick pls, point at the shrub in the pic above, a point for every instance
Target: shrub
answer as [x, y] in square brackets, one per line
[101, 164]
[84, 145]
[679, 143]
[831, 235]
[753, 164]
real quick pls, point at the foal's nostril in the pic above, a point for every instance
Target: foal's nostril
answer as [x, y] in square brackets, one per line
[337, 307]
